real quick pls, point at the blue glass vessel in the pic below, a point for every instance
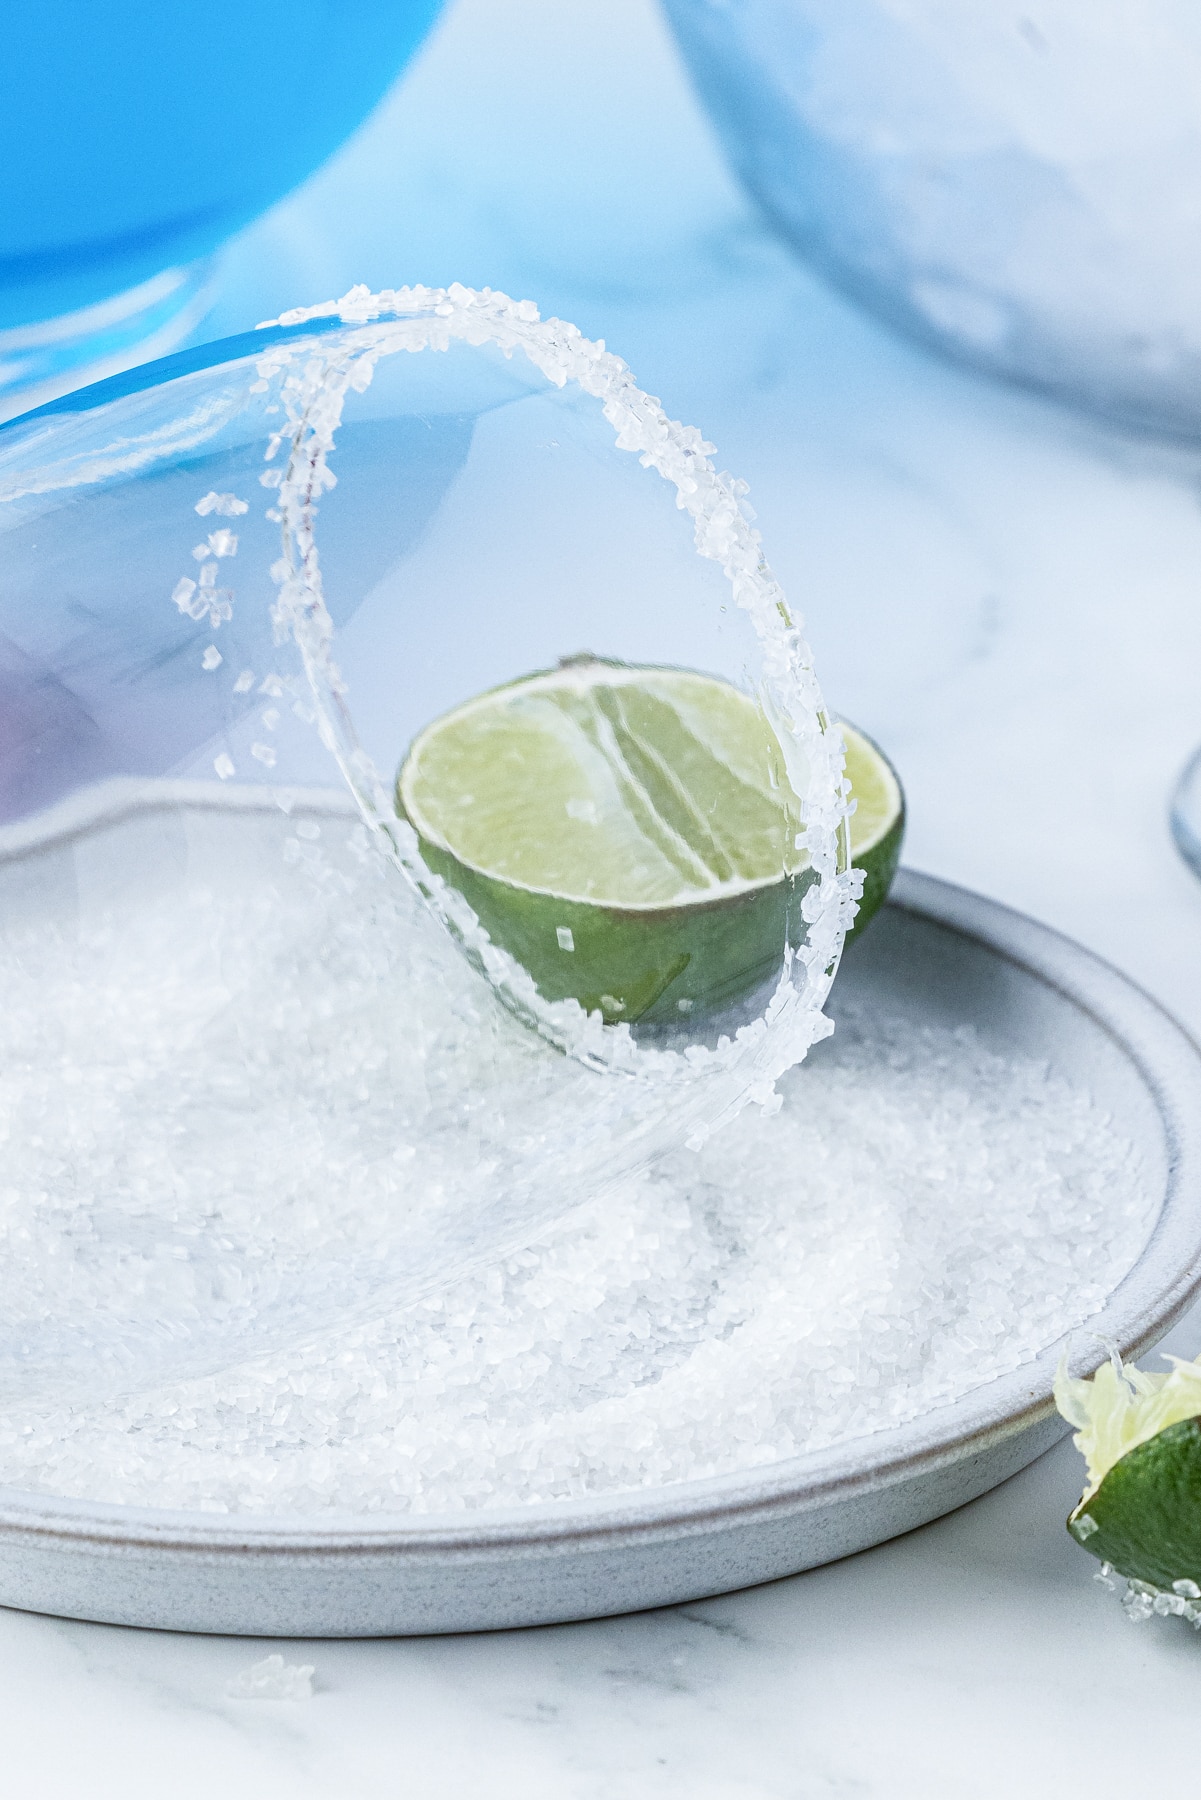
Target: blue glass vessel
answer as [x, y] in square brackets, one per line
[138, 135]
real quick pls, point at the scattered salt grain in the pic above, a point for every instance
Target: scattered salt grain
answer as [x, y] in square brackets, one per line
[227, 506]
[273, 1679]
[212, 658]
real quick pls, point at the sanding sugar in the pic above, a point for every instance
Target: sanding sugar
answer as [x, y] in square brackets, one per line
[222, 1106]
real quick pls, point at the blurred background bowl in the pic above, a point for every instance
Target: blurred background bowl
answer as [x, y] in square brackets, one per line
[1018, 185]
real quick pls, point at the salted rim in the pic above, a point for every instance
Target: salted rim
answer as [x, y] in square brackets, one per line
[312, 358]
[738, 1070]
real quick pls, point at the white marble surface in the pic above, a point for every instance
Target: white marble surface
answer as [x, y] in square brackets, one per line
[1008, 599]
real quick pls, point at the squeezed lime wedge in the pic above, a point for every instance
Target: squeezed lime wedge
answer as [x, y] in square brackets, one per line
[629, 834]
[1140, 1435]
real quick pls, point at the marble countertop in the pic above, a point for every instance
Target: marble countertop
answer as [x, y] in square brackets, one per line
[1007, 597]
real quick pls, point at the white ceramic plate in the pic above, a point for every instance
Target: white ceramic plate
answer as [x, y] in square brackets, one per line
[938, 953]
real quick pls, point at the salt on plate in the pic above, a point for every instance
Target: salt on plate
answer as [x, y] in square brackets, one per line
[207, 1091]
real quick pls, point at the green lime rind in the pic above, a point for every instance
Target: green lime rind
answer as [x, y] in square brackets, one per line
[1145, 1517]
[879, 865]
[639, 966]
[882, 858]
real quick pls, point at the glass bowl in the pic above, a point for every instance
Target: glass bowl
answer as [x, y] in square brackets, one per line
[1018, 187]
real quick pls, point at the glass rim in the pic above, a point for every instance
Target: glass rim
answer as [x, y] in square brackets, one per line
[142, 377]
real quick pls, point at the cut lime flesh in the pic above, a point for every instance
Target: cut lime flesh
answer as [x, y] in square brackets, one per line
[629, 834]
[1145, 1516]
[877, 823]
[1122, 1406]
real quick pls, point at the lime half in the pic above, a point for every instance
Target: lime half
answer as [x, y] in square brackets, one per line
[1141, 1437]
[629, 834]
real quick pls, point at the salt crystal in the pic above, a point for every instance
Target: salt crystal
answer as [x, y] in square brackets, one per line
[212, 658]
[226, 505]
[224, 766]
[245, 682]
[273, 1679]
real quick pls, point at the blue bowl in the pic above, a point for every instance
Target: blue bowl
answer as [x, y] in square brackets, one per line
[135, 139]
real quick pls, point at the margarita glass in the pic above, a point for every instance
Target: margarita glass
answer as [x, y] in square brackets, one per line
[239, 585]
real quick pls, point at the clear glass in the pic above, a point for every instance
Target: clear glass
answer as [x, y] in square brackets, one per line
[296, 1070]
